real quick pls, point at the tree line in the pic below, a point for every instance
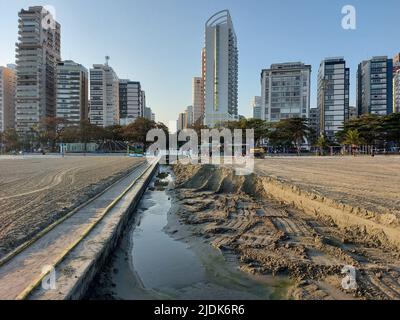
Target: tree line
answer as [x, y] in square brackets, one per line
[374, 131]
[51, 131]
[287, 134]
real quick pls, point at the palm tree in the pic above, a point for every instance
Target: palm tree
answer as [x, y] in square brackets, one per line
[289, 132]
[322, 143]
[352, 138]
[299, 131]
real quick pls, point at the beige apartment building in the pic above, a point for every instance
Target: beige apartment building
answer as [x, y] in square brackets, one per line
[198, 99]
[8, 83]
[396, 83]
[37, 57]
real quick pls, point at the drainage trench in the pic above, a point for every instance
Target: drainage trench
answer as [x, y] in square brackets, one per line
[159, 257]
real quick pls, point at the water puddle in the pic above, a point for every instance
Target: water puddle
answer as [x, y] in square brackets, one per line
[159, 258]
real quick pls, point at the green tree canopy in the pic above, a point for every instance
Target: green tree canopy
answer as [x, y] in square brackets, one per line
[10, 140]
[289, 132]
[136, 132]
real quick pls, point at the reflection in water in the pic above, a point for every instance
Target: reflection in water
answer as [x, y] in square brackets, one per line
[151, 263]
[159, 260]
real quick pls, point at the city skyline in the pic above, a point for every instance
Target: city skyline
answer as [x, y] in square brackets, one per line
[153, 58]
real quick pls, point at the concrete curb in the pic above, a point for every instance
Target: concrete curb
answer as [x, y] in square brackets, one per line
[96, 248]
[50, 227]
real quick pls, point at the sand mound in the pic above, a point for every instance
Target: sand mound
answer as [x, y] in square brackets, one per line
[217, 179]
[278, 228]
[357, 222]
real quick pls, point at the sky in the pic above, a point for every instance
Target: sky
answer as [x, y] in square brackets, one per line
[158, 42]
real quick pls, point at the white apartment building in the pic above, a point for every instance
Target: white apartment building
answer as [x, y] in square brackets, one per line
[37, 56]
[221, 65]
[8, 84]
[72, 92]
[285, 91]
[104, 96]
[198, 99]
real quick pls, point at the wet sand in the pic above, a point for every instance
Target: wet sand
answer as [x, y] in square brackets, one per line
[275, 237]
[160, 257]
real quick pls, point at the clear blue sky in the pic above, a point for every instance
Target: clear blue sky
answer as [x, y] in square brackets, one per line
[159, 41]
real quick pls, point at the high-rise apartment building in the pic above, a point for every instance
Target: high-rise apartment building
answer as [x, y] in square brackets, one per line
[375, 86]
[203, 72]
[285, 91]
[189, 117]
[37, 56]
[396, 83]
[256, 104]
[8, 83]
[148, 114]
[198, 99]
[104, 96]
[181, 121]
[396, 59]
[130, 101]
[185, 119]
[142, 102]
[221, 65]
[314, 122]
[72, 92]
[396, 91]
[333, 95]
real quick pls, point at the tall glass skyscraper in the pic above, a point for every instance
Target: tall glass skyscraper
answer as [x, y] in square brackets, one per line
[375, 86]
[333, 95]
[221, 66]
[131, 101]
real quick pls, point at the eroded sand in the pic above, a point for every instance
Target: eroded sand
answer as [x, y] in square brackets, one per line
[373, 183]
[309, 237]
[36, 192]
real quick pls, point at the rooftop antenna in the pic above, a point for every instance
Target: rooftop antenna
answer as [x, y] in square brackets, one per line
[107, 59]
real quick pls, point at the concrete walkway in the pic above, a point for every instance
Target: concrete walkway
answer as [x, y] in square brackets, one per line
[20, 275]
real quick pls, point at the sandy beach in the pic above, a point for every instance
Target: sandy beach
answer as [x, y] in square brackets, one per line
[34, 192]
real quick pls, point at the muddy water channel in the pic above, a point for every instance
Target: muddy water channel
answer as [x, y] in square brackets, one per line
[159, 257]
